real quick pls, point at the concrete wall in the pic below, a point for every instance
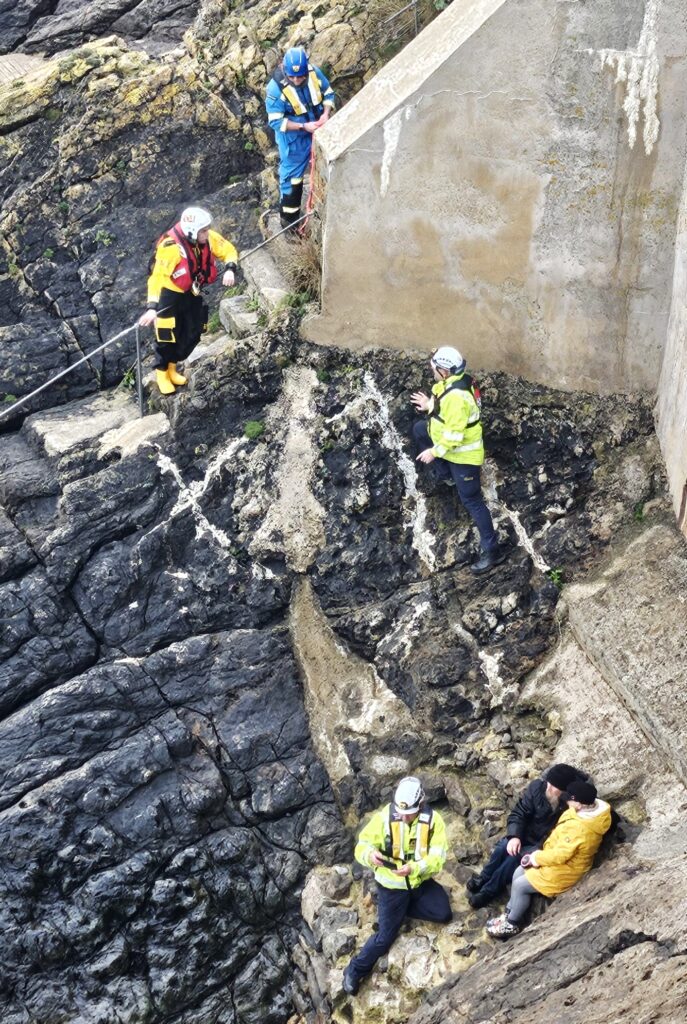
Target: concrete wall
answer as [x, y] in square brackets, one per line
[482, 190]
[671, 407]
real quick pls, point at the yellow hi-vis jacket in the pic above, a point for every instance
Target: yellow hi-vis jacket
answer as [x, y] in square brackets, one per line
[569, 851]
[420, 844]
[454, 424]
[169, 255]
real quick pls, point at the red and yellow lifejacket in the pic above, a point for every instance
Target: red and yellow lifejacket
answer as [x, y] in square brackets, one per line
[197, 265]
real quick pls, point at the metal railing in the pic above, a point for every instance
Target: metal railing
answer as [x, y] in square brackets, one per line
[117, 337]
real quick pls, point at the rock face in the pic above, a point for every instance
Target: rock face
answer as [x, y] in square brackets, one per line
[102, 147]
[87, 141]
[44, 26]
[166, 787]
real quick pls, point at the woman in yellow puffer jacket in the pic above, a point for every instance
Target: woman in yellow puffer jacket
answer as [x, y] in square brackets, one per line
[568, 854]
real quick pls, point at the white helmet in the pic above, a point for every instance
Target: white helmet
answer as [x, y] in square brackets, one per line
[409, 795]
[193, 220]
[447, 358]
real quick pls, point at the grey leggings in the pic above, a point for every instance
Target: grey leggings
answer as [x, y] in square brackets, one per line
[521, 893]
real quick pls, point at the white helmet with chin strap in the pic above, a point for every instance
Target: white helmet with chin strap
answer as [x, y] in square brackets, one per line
[193, 220]
[409, 795]
[447, 358]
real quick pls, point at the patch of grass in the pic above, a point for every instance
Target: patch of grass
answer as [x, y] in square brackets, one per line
[9, 399]
[263, 318]
[214, 322]
[253, 429]
[48, 253]
[234, 179]
[303, 265]
[324, 376]
[249, 146]
[52, 114]
[63, 206]
[557, 577]
[328, 445]
[295, 300]
[253, 304]
[129, 379]
[104, 237]
[638, 513]
[236, 289]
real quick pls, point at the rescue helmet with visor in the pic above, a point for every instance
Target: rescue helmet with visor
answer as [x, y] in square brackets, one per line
[193, 220]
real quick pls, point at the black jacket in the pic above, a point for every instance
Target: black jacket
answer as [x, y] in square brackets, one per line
[533, 817]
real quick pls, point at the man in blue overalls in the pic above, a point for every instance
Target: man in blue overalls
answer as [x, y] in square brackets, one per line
[299, 101]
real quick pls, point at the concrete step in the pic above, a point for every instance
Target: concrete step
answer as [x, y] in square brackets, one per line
[265, 277]
[236, 318]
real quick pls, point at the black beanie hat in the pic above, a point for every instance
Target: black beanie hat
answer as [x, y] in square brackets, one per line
[581, 791]
[560, 775]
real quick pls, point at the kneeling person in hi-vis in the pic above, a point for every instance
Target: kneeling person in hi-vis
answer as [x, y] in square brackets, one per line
[185, 262]
[405, 845]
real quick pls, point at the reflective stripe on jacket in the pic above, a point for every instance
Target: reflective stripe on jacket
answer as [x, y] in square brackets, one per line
[377, 835]
[569, 851]
[287, 102]
[177, 265]
[454, 424]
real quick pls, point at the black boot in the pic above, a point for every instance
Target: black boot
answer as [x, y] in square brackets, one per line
[479, 899]
[474, 883]
[350, 982]
[488, 559]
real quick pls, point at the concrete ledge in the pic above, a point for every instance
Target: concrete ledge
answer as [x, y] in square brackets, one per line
[632, 625]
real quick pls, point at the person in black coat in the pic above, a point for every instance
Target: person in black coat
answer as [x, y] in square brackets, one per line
[533, 817]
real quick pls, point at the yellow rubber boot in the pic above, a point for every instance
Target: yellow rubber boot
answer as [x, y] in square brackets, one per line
[164, 383]
[176, 378]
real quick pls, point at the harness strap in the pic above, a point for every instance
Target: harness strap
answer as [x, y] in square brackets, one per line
[464, 383]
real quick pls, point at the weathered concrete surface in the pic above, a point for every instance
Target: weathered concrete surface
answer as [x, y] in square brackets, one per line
[17, 65]
[265, 277]
[671, 406]
[236, 318]
[482, 189]
[632, 623]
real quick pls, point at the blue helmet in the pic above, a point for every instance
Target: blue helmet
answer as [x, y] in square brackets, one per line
[295, 62]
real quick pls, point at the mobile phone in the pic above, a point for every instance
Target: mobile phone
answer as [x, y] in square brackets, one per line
[391, 864]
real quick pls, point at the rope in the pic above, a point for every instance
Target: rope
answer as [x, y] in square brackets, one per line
[63, 373]
[310, 202]
[89, 355]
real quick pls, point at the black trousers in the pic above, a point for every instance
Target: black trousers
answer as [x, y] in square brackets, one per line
[467, 480]
[183, 318]
[429, 902]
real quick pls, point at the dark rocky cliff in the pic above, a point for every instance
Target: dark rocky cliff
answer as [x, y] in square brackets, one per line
[217, 653]
[162, 800]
